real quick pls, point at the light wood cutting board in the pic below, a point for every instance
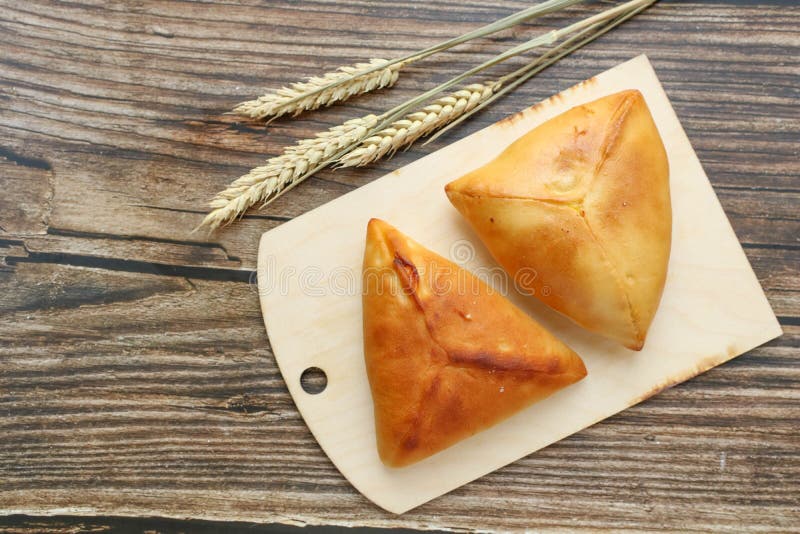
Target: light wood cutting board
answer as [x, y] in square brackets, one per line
[309, 269]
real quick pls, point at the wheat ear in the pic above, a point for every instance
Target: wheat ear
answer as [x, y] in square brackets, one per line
[265, 183]
[413, 126]
[301, 96]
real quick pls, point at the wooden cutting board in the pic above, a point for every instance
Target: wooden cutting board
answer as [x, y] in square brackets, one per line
[309, 269]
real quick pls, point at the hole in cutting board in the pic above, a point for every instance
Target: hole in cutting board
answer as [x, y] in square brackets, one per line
[313, 380]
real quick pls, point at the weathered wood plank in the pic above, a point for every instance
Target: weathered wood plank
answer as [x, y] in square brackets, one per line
[135, 375]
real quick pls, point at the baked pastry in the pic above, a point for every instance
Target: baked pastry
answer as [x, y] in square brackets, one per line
[446, 355]
[578, 212]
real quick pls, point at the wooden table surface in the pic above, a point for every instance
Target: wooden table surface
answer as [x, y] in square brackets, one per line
[136, 378]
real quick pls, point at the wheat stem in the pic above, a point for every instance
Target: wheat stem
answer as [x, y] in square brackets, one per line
[553, 55]
[541, 40]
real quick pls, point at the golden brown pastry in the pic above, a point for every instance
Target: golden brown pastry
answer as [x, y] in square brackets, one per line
[578, 212]
[446, 356]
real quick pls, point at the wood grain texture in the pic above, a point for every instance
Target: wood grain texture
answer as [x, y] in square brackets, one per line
[135, 375]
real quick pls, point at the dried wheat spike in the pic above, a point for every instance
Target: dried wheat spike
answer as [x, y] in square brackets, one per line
[302, 96]
[267, 182]
[418, 124]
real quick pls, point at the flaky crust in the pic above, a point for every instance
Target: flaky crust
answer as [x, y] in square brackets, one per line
[578, 212]
[446, 356]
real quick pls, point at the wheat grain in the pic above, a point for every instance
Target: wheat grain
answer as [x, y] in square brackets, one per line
[266, 183]
[302, 96]
[418, 124]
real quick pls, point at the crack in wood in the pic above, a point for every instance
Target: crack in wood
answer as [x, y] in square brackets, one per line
[279, 218]
[789, 320]
[132, 237]
[134, 266]
[25, 161]
[770, 246]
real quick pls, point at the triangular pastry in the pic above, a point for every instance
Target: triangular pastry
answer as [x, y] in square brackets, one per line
[578, 212]
[446, 355]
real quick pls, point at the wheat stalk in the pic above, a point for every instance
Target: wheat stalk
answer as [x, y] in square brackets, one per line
[265, 183]
[418, 124]
[336, 87]
[362, 78]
